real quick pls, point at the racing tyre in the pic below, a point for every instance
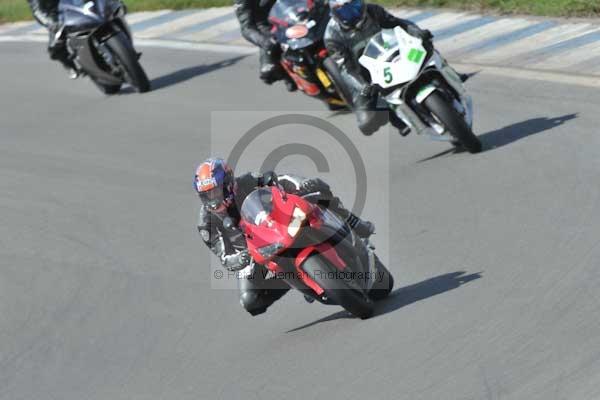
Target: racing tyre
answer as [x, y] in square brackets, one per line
[451, 119]
[125, 54]
[383, 284]
[320, 270]
[107, 89]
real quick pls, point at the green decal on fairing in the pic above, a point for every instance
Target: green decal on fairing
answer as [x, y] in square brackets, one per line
[415, 55]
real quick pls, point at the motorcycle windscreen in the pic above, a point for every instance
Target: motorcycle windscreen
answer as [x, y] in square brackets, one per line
[290, 12]
[95, 10]
[393, 57]
[257, 206]
[297, 23]
[79, 14]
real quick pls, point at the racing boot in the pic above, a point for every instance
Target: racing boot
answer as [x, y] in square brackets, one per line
[290, 85]
[57, 50]
[362, 228]
[398, 124]
[336, 107]
[258, 293]
[367, 117]
[270, 71]
[256, 302]
[309, 299]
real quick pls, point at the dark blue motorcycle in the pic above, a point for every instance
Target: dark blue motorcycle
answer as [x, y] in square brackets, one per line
[101, 45]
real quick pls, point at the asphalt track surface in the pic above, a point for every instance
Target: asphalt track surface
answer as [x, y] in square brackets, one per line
[105, 288]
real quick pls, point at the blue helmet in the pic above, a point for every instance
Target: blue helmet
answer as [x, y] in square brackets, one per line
[350, 14]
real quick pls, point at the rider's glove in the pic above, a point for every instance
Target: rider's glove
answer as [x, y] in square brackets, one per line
[238, 261]
[369, 91]
[423, 34]
[269, 178]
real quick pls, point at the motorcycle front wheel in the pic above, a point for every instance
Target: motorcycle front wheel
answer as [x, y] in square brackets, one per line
[107, 89]
[125, 55]
[384, 282]
[324, 274]
[453, 122]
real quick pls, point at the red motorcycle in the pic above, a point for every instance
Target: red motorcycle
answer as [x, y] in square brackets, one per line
[298, 26]
[313, 250]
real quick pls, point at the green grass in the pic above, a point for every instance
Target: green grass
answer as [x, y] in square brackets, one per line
[16, 10]
[565, 8]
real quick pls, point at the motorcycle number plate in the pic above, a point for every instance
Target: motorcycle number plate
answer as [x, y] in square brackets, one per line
[323, 78]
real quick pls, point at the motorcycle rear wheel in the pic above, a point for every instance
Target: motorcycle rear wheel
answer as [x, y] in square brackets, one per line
[455, 123]
[321, 271]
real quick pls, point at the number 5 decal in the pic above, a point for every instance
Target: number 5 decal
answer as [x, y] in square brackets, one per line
[387, 75]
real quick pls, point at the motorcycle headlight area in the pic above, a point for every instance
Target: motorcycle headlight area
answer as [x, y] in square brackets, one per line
[270, 250]
[298, 218]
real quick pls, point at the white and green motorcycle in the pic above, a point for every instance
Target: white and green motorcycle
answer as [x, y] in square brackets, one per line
[420, 88]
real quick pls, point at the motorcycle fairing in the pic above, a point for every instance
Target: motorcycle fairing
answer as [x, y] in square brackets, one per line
[393, 57]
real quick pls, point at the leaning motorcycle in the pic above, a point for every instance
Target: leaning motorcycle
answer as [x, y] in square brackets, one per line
[420, 88]
[298, 26]
[100, 43]
[313, 251]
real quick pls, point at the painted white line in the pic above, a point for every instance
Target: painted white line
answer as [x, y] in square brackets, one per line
[535, 75]
[179, 45]
[513, 51]
[213, 31]
[14, 25]
[240, 42]
[402, 13]
[444, 20]
[566, 59]
[144, 15]
[556, 77]
[474, 36]
[23, 38]
[564, 32]
[183, 22]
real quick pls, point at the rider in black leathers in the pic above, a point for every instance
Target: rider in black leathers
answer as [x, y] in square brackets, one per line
[253, 16]
[218, 224]
[352, 25]
[46, 13]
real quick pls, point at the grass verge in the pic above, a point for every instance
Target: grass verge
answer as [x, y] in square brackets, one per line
[556, 8]
[17, 10]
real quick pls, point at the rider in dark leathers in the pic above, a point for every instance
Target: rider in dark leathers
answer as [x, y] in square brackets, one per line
[218, 228]
[253, 16]
[352, 25]
[46, 13]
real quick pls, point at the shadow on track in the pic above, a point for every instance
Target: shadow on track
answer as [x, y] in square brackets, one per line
[186, 74]
[511, 133]
[420, 291]
[453, 150]
[407, 295]
[520, 130]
